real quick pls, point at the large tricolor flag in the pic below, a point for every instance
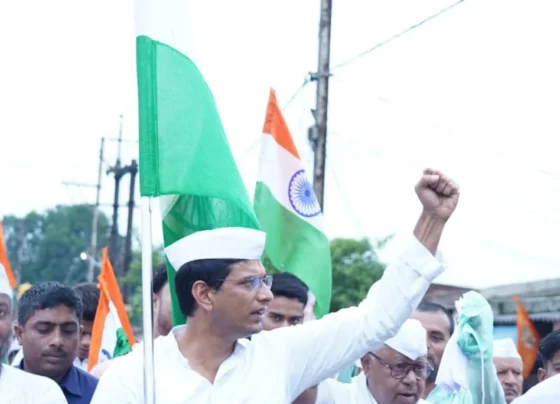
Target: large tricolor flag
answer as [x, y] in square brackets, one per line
[112, 334]
[4, 259]
[185, 156]
[288, 210]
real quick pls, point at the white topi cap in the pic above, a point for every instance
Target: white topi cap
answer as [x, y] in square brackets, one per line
[505, 348]
[5, 287]
[223, 243]
[411, 340]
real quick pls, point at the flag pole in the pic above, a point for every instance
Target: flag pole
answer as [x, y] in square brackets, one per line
[147, 315]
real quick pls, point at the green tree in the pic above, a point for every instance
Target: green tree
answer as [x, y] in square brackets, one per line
[355, 267]
[47, 245]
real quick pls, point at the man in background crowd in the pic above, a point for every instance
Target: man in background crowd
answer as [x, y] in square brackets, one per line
[509, 368]
[549, 351]
[48, 330]
[17, 386]
[89, 294]
[439, 325]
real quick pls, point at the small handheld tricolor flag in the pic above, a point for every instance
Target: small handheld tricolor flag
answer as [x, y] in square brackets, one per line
[288, 210]
[4, 259]
[112, 334]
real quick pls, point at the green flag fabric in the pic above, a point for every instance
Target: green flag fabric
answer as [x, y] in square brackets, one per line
[185, 158]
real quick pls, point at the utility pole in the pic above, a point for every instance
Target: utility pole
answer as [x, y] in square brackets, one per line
[318, 135]
[121, 259]
[118, 172]
[132, 169]
[94, 225]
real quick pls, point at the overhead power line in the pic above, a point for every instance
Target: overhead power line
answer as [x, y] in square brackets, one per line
[392, 38]
[296, 93]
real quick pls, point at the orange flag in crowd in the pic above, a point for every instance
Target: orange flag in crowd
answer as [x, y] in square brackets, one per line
[4, 259]
[528, 338]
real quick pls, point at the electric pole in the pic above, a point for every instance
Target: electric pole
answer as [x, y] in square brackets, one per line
[95, 221]
[132, 169]
[118, 172]
[121, 259]
[318, 135]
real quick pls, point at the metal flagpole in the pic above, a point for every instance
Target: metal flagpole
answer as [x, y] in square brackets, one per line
[147, 315]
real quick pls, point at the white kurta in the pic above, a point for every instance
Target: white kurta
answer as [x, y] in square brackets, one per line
[546, 392]
[334, 392]
[274, 367]
[17, 386]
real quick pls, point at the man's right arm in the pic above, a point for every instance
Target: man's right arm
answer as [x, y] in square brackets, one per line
[320, 348]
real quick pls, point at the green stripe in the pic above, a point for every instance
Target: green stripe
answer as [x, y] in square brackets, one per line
[293, 245]
[184, 150]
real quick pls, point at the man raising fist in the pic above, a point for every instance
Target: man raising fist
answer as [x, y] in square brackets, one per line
[223, 291]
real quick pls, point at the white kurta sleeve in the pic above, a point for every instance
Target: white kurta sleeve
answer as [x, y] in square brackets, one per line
[52, 395]
[119, 384]
[319, 349]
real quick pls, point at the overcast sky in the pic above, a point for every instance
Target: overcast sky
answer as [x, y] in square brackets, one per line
[475, 93]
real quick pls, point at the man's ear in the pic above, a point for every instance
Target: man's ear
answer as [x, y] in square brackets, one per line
[18, 332]
[366, 362]
[541, 374]
[202, 294]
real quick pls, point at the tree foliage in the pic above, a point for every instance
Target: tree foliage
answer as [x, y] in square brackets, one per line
[355, 267]
[47, 246]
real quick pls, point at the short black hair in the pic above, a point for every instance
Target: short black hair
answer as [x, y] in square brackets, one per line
[46, 295]
[89, 293]
[431, 307]
[290, 286]
[211, 271]
[549, 346]
[160, 278]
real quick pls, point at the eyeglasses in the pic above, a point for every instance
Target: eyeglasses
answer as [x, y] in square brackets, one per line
[401, 370]
[252, 282]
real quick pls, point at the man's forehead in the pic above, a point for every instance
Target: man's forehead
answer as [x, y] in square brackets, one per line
[56, 314]
[283, 304]
[431, 318]
[248, 268]
[508, 362]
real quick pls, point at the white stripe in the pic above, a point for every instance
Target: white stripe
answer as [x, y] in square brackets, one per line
[276, 168]
[166, 202]
[172, 22]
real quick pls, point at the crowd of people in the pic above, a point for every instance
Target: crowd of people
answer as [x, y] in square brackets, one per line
[251, 337]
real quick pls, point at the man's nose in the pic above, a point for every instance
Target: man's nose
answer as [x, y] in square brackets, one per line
[56, 339]
[86, 339]
[510, 378]
[410, 377]
[265, 294]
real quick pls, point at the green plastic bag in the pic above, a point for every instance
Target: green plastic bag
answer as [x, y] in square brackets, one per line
[467, 374]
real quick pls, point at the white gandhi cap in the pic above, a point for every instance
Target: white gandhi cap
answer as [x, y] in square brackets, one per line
[411, 340]
[5, 287]
[505, 348]
[223, 243]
